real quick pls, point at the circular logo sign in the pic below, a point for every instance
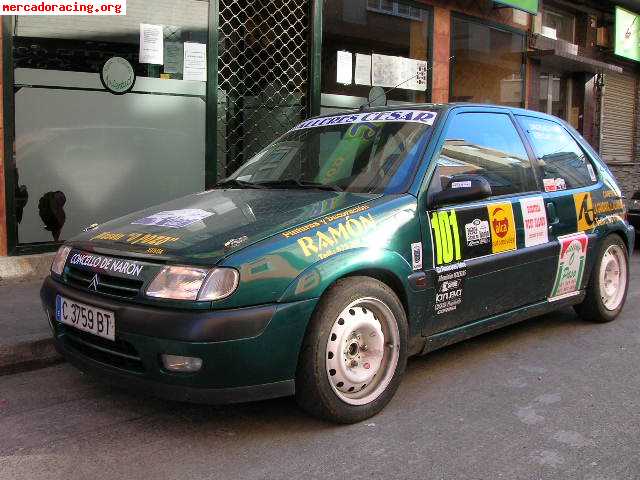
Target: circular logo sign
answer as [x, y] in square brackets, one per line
[118, 76]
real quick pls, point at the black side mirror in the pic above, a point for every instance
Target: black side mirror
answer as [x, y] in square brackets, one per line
[462, 188]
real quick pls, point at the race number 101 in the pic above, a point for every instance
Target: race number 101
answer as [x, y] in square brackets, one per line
[446, 236]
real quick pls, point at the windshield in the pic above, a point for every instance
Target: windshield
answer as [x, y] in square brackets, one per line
[367, 153]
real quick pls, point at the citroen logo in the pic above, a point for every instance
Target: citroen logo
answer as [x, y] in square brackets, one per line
[94, 283]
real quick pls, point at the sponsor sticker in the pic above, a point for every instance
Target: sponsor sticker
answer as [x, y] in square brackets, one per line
[585, 214]
[592, 173]
[571, 262]
[412, 116]
[464, 184]
[534, 217]
[477, 233]
[445, 237]
[450, 287]
[174, 218]
[549, 184]
[416, 255]
[106, 264]
[147, 239]
[560, 184]
[503, 227]
[328, 240]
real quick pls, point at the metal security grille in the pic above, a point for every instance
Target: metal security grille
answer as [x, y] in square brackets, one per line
[263, 74]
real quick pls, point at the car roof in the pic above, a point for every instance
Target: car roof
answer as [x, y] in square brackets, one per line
[444, 107]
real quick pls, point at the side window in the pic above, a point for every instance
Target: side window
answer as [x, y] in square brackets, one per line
[487, 145]
[564, 164]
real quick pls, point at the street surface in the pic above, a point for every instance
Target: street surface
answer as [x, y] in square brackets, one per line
[551, 398]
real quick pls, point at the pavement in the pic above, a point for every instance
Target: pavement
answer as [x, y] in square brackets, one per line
[549, 398]
[25, 342]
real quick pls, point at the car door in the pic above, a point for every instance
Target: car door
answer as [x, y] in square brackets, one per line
[492, 255]
[575, 199]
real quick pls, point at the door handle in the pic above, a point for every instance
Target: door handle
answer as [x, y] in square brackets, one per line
[553, 215]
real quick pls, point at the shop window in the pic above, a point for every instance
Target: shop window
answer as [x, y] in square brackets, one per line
[105, 126]
[488, 64]
[558, 153]
[559, 25]
[486, 144]
[371, 45]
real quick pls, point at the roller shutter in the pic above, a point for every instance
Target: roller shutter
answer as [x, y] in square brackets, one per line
[618, 118]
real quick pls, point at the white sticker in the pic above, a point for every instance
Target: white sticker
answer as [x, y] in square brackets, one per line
[477, 233]
[413, 116]
[174, 218]
[416, 255]
[592, 173]
[534, 217]
[549, 184]
[560, 184]
[571, 263]
[465, 184]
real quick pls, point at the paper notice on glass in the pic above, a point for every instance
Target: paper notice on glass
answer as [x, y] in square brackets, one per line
[386, 71]
[173, 57]
[151, 44]
[195, 62]
[416, 70]
[363, 69]
[400, 72]
[345, 68]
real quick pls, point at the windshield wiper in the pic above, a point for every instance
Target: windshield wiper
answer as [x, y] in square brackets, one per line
[293, 183]
[232, 182]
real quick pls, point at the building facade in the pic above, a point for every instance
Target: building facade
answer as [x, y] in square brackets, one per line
[108, 115]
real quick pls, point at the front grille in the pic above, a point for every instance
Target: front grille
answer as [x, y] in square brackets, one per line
[107, 284]
[119, 354]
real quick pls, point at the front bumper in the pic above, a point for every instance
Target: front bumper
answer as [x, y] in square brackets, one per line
[248, 354]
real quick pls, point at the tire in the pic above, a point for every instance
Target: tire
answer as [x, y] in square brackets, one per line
[354, 353]
[604, 301]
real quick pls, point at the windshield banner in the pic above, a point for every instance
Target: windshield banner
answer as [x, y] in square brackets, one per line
[413, 116]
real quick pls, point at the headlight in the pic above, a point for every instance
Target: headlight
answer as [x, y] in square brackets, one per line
[190, 283]
[57, 266]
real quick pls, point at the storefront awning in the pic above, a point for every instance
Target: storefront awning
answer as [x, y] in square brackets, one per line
[561, 56]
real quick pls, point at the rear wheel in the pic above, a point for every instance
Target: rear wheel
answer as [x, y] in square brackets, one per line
[608, 285]
[354, 353]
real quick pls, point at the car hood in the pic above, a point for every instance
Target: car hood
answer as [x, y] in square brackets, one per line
[205, 227]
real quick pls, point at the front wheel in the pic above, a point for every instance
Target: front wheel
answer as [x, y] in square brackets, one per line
[354, 353]
[609, 282]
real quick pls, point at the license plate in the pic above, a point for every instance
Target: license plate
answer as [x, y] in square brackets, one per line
[86, 318]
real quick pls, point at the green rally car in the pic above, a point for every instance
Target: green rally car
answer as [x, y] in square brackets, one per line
[349, 244]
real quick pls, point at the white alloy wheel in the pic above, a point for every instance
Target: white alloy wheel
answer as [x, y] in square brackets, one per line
[613, 277]
[362, 351]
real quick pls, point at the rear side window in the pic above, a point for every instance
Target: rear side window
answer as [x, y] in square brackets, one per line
[564, 164]
[488, 145]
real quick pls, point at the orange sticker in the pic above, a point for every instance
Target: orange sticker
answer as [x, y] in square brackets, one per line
[503, 227]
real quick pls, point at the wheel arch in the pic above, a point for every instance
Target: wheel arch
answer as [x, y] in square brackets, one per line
[386, 266]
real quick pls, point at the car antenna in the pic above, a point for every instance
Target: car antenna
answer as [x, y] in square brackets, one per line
[384, 94]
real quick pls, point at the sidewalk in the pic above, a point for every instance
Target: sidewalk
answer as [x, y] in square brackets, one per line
[25, 337]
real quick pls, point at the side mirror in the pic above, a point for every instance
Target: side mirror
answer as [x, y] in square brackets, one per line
[462, 188]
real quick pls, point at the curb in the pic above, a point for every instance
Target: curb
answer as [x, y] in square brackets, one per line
[28, 355]
[25, 267]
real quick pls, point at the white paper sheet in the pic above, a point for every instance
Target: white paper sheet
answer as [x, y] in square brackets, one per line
[363, 69]
[151, 44]
[195, 62]
[345, 68]
[401, 72]
[173, 56]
